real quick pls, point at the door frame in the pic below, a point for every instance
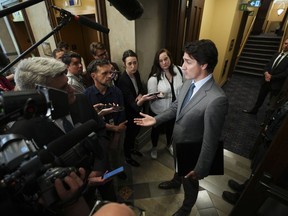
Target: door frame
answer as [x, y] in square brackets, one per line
[185, 12]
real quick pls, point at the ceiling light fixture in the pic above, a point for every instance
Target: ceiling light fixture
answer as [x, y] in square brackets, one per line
[281, 8]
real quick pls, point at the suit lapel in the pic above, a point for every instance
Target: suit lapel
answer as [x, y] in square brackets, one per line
[283, 61]
[130, 83]
[200, 94]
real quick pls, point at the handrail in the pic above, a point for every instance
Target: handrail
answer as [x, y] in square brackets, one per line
[246, 37]
[284, 36]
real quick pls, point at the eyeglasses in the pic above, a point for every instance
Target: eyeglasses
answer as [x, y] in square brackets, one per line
[98, 204]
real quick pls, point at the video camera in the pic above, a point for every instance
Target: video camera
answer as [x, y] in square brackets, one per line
[42, 101]
[29, 171]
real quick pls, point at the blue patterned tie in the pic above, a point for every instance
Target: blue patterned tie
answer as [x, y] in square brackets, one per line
[188, 95]
[67, 125]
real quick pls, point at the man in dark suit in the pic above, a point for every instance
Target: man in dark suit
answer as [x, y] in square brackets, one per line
[275, 74]
[200, 120]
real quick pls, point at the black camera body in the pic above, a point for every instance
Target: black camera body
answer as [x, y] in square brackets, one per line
[42, 101]
[27, 171]
[46, 183]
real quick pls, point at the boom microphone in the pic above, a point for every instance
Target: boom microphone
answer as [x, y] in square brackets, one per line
[84, 21]
[17, 7]
[92, 24]
[131, 9]
[67, 141]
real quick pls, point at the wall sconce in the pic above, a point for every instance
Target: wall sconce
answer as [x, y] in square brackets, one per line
[281, 8]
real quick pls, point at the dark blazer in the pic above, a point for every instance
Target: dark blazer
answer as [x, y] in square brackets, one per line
[126, 86]
[200, 121]
[279, 73]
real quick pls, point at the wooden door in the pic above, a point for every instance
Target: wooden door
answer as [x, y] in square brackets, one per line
[260, 17]
[23, 34]
[184, 21]
[76, 35]
[193, 20]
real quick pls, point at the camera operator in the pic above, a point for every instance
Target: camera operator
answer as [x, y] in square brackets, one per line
[52, 73]
[74, 205]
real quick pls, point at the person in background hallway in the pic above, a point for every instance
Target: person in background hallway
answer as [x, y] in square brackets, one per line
[133, 93]
[200, 116]
[62, 45]
[6, 78]
[167, 78]
[275, 74]
[102, 93]
[99, 51]
[57, 53]
[74, 70]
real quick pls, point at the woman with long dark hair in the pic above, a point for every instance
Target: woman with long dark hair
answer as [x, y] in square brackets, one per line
[166, 78]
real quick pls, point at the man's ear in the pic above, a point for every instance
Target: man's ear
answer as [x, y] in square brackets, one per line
[204, 66]
[92, 75]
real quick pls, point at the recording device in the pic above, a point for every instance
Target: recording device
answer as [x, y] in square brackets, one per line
[42, 101]
[17, 7]
[159, 95]
[131, 9]
[46, 182]
[28, 171]
[113, 172]
[83, 20]
[116, 108]
[154, 93]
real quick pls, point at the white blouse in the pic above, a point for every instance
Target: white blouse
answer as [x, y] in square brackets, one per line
[159, 105]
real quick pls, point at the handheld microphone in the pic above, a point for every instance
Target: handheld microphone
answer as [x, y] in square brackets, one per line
[67, 141]
[131, 9]
[84, 21]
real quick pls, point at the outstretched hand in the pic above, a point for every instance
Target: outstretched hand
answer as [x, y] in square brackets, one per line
[147, 120]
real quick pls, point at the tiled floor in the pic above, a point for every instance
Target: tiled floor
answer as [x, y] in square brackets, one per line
[141, 188]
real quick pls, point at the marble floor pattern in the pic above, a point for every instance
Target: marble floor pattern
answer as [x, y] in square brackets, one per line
[141, 187]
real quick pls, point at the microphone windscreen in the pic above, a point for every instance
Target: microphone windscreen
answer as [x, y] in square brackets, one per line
[131, 9]
[67, 141]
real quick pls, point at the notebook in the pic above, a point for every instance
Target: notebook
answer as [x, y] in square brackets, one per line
[187, 156]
